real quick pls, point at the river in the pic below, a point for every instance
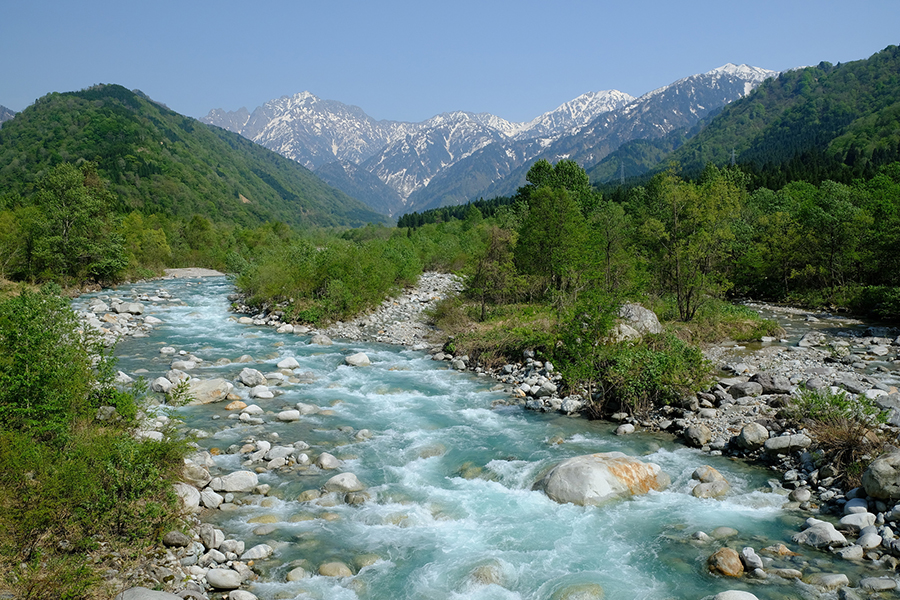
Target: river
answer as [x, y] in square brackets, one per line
[452, 513]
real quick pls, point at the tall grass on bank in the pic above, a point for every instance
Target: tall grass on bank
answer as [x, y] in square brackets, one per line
[844, 427]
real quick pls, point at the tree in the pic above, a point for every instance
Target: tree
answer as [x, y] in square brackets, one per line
[688, 231]
[551, 240]
[566, 175]
[74, 234]
[495, 277]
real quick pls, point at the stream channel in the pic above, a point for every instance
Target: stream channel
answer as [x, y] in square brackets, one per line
[452, 513]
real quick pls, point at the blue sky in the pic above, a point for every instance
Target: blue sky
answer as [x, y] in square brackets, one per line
[409, 60]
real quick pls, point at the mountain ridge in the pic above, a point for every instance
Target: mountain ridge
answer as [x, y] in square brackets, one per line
[455, 156]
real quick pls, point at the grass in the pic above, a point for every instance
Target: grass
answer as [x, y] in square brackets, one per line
[717, 321]
[501, 337]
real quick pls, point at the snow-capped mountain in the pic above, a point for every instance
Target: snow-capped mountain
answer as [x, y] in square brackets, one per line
[312, 131]
[454, 157]
[494, 172]
[573, 114]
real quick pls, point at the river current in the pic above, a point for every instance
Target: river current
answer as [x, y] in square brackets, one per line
[452, 511]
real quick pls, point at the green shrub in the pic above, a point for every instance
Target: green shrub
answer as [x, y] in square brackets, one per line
[656, 370]
[46, 368]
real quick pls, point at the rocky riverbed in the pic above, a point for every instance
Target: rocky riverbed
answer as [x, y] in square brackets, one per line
[738, 417]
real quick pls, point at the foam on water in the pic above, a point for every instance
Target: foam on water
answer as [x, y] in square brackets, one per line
[453, 513]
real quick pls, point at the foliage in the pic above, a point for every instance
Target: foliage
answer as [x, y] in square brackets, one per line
[636, 376]
[47, 377]
[158, 161]
[686, 231]
[844, 427]
[68, 481]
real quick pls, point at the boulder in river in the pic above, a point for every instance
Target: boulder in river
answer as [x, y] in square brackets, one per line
[238, 481]
[593, 479]
[358, 360]
[208, 391]
[727, 562]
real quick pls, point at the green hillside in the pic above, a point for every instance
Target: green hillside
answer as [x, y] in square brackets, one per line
[827, 121]
[836, 122]
[158, 161]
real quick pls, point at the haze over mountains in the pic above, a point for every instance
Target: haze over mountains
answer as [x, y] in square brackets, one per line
[397, 167]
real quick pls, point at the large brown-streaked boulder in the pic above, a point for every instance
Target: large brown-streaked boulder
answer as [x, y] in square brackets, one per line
[882, 478]
[593, 479]
[727, 562]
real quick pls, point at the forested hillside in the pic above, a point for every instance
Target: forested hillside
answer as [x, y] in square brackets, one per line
[836, 122]
[158, 161]
[824, 122]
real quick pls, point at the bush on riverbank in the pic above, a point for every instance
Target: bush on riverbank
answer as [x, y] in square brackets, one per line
[69, 482]
[845, 429]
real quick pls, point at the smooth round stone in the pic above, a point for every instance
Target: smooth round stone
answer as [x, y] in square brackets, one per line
[288, 416]
[335, 569]
[258, 552]
[878, 584]
[344, 482]
[625, 429]
[264, 530]
[223, 579]
[581, 591]
[800, 495]
[288, 363]
[734, 595]
[828, 581]
[723, 532]
[869, 541]
[297, 574]
[327, 461]
[241, 595]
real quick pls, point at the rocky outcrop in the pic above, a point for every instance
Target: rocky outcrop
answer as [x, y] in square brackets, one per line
[597, 478]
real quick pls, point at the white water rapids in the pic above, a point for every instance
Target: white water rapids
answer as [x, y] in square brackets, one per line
[452, 513]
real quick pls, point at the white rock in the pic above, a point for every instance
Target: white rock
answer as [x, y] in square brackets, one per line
[162, 385]
[327, 461]
[190, 496]
[288, 415]
[596, 478]
[210, 499]
[288, 363]
[238, 481]
[258, 552]
[343, 483]
[252, 409]
[856, 521]
[262, 392]
[224, 579]
[358, 360]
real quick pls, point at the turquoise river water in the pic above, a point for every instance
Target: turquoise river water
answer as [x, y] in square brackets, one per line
[450, 477]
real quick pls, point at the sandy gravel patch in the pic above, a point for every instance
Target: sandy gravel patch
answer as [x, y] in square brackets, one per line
[193, 272]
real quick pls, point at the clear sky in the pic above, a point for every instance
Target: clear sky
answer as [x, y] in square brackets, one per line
[409, 60]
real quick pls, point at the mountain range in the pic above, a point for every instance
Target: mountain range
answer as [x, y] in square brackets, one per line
[396, 167]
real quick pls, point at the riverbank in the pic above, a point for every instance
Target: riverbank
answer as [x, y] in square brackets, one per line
[541, 397]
